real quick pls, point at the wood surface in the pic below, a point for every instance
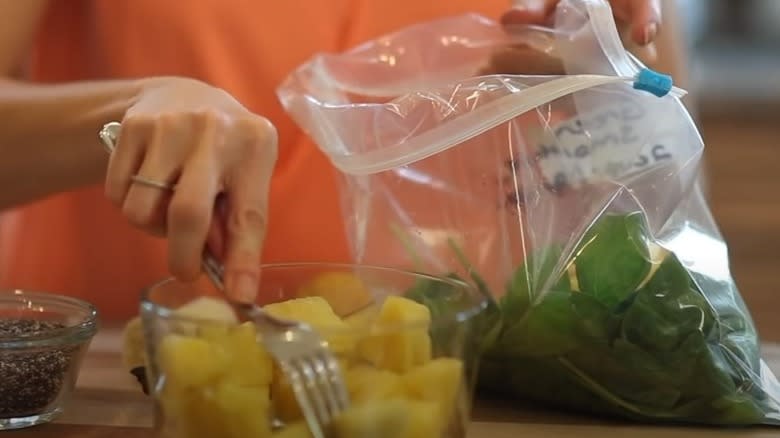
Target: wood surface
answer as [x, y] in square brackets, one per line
[108, 404]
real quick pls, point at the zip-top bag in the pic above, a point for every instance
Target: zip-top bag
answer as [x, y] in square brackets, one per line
[570, 197]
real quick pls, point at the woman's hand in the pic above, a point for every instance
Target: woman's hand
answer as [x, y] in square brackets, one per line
[184, 132]
[642, 17]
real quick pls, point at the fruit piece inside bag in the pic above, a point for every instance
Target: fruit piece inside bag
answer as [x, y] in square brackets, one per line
[571, 199]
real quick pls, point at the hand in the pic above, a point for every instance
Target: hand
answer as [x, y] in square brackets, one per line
[184, 132]
[642, 17]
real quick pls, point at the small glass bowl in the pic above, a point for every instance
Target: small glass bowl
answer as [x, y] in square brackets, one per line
[425, 370]
[43, 338]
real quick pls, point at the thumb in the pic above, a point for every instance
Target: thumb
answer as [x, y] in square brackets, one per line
[245, 231]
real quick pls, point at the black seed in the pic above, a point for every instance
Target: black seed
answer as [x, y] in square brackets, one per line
[31, 379]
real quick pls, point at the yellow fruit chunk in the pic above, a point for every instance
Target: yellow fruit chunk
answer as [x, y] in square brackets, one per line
[316, 312]
[188, 361]
[285, 405]
[366, 383]
[362, 319]
[439, 381]
[245, 411]
[249, 363]
[298, 429]
[345, 292]
[190, 413]
[374, 419]
[312, 310]
[398, 339]
[208, 308]
[424, 420]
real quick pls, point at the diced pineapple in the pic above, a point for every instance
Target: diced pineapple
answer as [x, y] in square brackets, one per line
[208, 308]
[439, 381]
[189, 362]
[312, 310]
[366, 383]
[345, 292]
[192, 413]
[375, 419]
[316, 312]
[200, 309]
[244, 410]
[285, 406]
[362, 319]
[298, 429]
[250, 363]
[399, 337]
[425, 420]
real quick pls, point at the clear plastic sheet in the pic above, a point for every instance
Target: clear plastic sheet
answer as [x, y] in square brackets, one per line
[561, 190]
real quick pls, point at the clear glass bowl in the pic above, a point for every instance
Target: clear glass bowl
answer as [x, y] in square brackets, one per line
[409, 363]
[43, 338]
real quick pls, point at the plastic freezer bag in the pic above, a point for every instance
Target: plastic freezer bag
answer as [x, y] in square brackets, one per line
[569, 194]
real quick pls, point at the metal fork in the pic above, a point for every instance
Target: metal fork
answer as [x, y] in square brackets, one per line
[303, 356]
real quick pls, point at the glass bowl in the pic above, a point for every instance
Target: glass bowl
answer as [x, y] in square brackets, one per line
[43, 338]
[407, 344]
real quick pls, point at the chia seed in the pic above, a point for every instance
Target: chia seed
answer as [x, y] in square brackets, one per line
[30, 380]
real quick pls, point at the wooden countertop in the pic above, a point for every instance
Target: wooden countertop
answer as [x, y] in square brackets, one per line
[107, 403]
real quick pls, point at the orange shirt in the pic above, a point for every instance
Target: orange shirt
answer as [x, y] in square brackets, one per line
[77, 243]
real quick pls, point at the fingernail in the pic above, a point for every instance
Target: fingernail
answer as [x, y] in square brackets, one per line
[650, 31]
[244, 287]
[519, 4]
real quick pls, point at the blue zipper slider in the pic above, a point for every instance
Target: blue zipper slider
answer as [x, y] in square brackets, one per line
[653, 82]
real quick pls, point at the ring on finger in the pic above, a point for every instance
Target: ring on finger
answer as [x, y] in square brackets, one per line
[151, 183]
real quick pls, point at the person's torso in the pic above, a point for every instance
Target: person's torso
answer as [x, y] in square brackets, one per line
[78, 243]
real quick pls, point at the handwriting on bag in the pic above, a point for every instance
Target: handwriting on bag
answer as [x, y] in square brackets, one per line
[611, 143]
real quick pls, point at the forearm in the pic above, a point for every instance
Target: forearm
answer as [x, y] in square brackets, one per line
[48, 135]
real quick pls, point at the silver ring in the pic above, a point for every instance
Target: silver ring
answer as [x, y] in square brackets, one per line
[151, 183]
[109, 134]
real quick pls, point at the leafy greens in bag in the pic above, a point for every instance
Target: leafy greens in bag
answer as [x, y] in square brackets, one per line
[623, 329]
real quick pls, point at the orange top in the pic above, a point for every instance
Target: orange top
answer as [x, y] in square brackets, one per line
[78, 243]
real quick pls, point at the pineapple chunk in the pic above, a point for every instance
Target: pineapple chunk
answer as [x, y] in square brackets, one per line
[405, 342]
[425, 420]
[298, 429]
[439, 381]
[366, 383]
[208, 308]
[316, 312]
[285, 405]
[362, 319]
[190, 362]
[312, 310]
[244, 410]
[191, 413]
[345, 292]
[249, 363]
[375, 419]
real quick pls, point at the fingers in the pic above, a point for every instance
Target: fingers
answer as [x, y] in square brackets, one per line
[247, 207]
[146, 206]
[529, 12]
[126, 159]
[643, 18]
[189, 214]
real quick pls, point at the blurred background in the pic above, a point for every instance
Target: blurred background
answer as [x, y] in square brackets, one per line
[734, 63]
